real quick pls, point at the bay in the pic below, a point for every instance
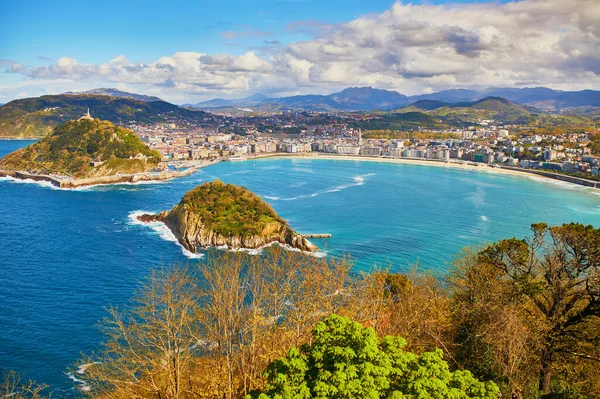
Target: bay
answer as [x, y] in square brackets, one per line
[65, 255]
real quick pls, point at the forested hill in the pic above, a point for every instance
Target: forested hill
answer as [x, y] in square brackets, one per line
[84, 148]
[37, 117]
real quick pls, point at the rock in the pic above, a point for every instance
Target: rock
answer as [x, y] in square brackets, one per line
[193, 231]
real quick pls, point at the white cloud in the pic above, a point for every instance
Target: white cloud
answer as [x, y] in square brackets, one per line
[410, 48]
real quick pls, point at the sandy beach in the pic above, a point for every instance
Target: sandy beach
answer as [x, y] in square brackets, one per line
[464, 165]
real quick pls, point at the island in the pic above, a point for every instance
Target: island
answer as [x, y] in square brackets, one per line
[85, 152]
[216, 214]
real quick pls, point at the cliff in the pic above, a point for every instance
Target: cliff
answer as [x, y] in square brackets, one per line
[215, 214]
[85, 148]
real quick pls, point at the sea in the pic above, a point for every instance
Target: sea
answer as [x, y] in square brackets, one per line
[67, 255]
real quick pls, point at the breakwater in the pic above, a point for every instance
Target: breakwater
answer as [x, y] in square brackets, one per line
[557, 176]
[92, 181]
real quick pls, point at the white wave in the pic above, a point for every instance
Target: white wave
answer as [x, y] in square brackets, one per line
[356, 181]
[303, 170]
[484, 218]
[91, 187]
[271, 198]
[45, 184]
[82, 384]
[83, 368]
[564, 184]
[163, 231]
[166, 234]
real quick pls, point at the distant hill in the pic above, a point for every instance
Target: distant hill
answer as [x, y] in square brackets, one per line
[411, 120]
[117, 93]
[73, 146]
[370, 99]
[461, 113]
[433, 114]
[251, 101]
[36, 117]
[350, 99]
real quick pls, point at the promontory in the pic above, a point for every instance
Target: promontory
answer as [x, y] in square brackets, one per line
[84, 152]
[216, 214]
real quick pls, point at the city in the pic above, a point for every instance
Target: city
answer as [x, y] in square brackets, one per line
[296, 133]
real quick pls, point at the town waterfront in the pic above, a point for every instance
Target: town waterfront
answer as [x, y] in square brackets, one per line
[67, 254]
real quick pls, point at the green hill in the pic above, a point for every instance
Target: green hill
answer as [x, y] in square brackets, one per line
[73, 146]
[410, 120]
[465, 113]
[216, 214]
[36, 117]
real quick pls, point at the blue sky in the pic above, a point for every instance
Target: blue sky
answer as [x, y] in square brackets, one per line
[280, 35]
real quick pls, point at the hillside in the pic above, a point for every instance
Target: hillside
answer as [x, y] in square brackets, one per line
[462, 113]
[36, 117]
[216, 214]
[409, 120]
[73, 146]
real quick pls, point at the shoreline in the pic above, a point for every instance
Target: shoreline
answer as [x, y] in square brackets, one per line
[105, 180]
[464, 165]
[20, 138]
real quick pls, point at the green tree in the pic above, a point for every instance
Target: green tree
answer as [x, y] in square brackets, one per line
[347, 360]
[557, 274]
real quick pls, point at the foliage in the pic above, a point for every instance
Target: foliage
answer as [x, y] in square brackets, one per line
[211, 332]
[346, 360]
[12, 386]
[74, 145]
[544, 293]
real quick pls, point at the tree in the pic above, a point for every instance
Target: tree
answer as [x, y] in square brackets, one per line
[347, 360]
[150, 349]
[12, 386]
[557, 273]
[495, 334]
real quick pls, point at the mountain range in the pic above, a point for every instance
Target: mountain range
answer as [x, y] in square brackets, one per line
[116, 93]
[370, 99]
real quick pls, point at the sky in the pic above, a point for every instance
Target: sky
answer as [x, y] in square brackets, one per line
[189, 51]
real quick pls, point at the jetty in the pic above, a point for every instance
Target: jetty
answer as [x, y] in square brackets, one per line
[316, 235]
[113, 179]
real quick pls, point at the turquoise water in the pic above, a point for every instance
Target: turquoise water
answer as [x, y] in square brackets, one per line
[65, 255]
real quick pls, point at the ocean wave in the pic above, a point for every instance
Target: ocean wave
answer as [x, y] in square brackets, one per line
[303, 170]
[163, 231]
[45, 184]
[92, 187]
[83, 386]
[271, 198]
[564, 184]
[484, 218]
[356, 181]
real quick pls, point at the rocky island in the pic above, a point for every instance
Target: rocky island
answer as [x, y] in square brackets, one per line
[84, 152]
[216, 214]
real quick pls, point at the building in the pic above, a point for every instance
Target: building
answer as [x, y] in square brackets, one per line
[346, 149]
[370, 151]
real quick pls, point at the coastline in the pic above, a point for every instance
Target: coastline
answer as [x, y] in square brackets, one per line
[20, 138]
[464, 165]
[104, 180]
